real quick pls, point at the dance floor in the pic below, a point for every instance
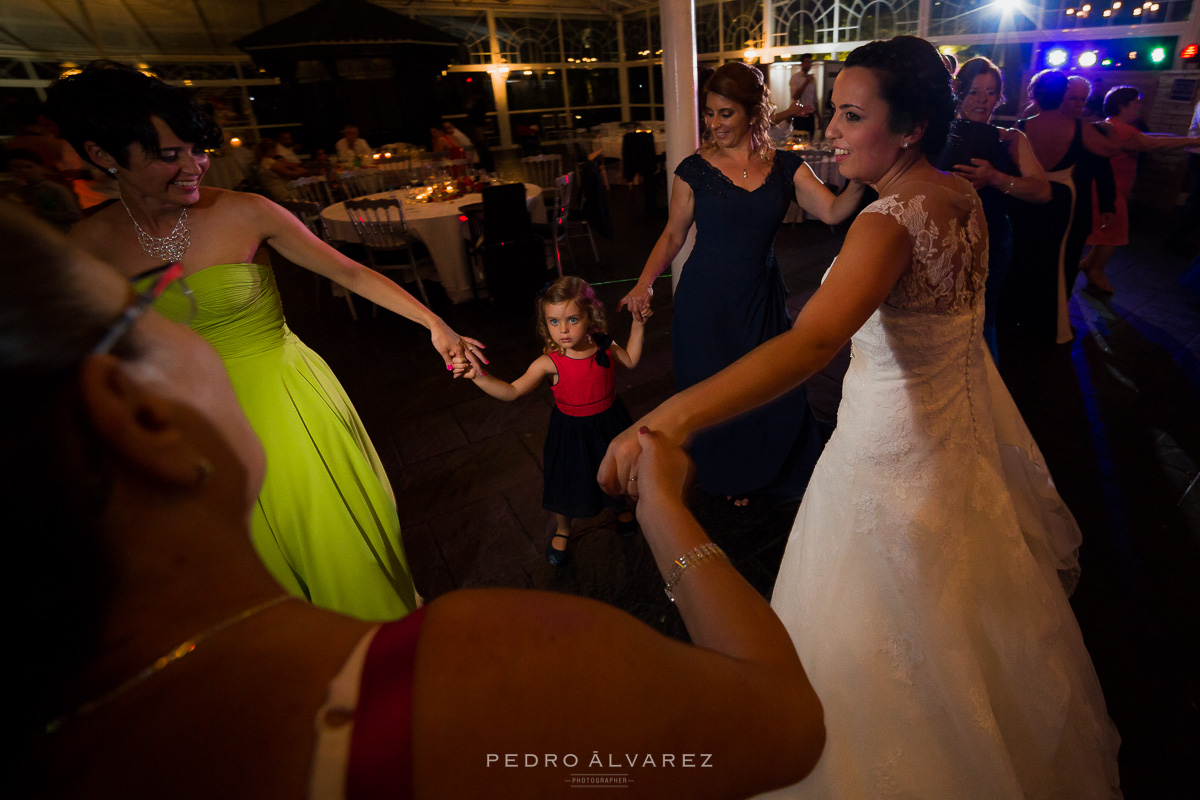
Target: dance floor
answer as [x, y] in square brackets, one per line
[1116, 413]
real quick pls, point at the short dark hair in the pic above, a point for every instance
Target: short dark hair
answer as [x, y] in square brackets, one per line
[112, 104]
[1048, 88]
[971, 69]
[1117, 97]
[914, 83]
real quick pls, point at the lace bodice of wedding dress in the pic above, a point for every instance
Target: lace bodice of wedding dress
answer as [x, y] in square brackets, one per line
[920, 583]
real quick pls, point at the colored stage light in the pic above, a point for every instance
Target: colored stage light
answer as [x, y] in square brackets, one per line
[1189, 51]
[1158, 55]
[1087, 59]
[1057, 57]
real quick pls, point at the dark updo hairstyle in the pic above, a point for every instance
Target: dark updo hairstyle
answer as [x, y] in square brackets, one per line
[1118, 97]
[744, 85]
[53, 478]
[1048, 88]
[914, 83]
[970, 70]
[111, 104]
[567, 288]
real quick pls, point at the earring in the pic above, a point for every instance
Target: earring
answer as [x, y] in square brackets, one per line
[204, 471]
[112, 171]
[905, 145]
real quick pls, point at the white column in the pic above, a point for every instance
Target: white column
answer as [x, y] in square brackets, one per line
[499, 85]
[677, 20]
[623, 72]
[768, 26]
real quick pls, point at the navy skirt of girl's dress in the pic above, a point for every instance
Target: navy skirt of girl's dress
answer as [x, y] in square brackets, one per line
[575, 446]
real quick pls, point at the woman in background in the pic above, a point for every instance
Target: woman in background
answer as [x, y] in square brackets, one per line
[731, 296]
[1005, 168]
[1122, 106]
[1034, 299]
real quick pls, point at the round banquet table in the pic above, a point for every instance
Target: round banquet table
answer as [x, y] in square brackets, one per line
[438, 226]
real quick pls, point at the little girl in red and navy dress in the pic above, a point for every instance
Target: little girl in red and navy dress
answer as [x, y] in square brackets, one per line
[578, 358]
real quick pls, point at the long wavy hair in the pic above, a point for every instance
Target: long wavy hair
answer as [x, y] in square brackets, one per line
[563, 290]
[744, 85]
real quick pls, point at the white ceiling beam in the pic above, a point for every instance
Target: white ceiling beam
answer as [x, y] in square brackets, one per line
[71, 24]
[138, 20]
[207, 28]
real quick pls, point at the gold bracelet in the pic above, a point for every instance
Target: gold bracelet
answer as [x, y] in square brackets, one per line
[688, 560]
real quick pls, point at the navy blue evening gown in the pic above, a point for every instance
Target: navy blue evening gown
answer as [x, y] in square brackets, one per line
[729, 300]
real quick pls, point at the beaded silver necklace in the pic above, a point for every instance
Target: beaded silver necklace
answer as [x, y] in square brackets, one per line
[170, 247]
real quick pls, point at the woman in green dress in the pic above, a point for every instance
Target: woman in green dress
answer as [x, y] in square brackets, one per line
[325, 523]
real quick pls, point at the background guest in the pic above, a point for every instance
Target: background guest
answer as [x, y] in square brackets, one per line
[285, 148]
[1185, 230]
[1122, 106]
[274, 172]
[1004, 167]
[350, 148]
[456, 136]
[51, 201]
[1033, 302]
[1090, 171]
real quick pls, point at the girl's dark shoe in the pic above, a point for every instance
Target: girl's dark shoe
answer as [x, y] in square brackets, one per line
[556, 557]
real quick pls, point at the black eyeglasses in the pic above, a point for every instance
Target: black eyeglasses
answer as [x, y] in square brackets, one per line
[169, 278]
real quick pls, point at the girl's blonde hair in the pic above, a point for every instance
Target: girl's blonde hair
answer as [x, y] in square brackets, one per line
[744, 85]
[563, 290]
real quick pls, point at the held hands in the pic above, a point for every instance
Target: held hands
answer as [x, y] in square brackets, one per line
[979, 172]
[661, 473]
[638, 301]
[620, 460]
[465, 369]
[451, 347]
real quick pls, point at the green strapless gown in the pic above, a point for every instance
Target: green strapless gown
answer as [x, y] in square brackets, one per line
[325, 523]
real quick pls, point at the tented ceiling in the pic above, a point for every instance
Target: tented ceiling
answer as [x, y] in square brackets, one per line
[123, 28]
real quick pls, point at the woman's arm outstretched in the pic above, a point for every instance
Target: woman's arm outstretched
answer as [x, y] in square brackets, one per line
[665, 249]
[876, 252]
[571, 676]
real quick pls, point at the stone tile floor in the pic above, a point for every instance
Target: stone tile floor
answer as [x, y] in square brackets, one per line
[1116, 413]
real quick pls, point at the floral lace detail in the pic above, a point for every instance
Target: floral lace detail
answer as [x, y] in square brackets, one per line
[705, 178]
[949, 249]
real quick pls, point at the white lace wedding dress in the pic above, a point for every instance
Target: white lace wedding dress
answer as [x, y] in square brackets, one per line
[921, 581]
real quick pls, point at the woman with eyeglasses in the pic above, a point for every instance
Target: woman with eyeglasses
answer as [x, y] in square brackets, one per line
[325, 523]
[157, 658]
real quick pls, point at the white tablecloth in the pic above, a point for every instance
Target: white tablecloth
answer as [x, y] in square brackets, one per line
[439, 227]
[611, 145]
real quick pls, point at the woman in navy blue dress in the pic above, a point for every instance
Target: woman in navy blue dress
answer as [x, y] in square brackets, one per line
[730, 297]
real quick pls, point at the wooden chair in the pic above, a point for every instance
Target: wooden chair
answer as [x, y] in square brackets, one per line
[310, 214]
[381, 228]
[311, 190]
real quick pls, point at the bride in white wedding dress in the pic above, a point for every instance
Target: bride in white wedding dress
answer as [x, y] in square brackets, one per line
[921, 583]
